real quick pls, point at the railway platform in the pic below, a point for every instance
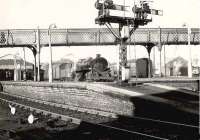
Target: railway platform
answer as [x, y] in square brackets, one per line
[108, 99]
[176, 82]
[146, 110]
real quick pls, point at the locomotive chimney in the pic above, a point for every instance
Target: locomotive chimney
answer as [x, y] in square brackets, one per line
[98, 55]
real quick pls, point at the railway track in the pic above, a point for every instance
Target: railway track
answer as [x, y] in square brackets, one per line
[56, 109]
[145, 129]
[163, 129]
[122, 127]
[158, 103]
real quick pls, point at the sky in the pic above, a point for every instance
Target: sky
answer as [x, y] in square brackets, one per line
[81, 13]
[24, 14]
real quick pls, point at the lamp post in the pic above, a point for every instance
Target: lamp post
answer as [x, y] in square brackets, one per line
[17, 75]
[24, 73]
[160, 50]
[15, 67]
[189, 51]
[51, 26]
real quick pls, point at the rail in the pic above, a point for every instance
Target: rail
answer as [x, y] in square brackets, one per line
[80, 122]
[106, 126]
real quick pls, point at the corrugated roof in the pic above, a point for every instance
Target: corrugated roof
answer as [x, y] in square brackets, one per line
[63, 61]
[11, 62]
[178, 59]
[45, 66]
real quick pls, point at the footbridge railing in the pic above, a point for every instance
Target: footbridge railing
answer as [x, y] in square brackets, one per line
[96, 36]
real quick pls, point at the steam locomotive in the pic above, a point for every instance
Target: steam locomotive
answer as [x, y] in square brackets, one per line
[93, 70]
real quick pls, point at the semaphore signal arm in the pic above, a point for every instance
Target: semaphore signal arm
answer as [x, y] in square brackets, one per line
[140, 13]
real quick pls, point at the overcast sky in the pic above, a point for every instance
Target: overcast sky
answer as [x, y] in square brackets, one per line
[22, 14]
[81, 13]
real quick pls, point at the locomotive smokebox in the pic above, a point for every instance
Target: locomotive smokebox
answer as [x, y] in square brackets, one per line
[96, 70]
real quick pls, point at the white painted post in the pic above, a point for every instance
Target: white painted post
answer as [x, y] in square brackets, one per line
[15, 68]
[189, 55]
[24, 73]
[160, 51]
[50, 60]
[50, 51]
[189, 50]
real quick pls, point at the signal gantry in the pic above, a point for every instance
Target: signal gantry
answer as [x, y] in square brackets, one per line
[126, 24]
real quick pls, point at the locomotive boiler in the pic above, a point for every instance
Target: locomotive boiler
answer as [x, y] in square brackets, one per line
[93, 70]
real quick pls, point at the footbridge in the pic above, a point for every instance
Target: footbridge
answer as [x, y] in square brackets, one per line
[96, 36]
[147, 37]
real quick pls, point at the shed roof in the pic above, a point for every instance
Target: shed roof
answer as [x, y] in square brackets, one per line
[178, 60]
[9, 63]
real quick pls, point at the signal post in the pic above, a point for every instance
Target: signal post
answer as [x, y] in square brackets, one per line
[126, 25]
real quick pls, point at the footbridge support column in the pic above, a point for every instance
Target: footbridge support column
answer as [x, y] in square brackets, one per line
[160, 60]
[34, 50]
[149, 47]
[38, 53]
[160, 51]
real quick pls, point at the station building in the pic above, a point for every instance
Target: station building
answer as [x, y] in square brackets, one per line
[62, 70]
[13, 69]
[179, 67]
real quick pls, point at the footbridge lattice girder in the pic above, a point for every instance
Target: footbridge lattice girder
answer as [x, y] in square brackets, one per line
[97, 36]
